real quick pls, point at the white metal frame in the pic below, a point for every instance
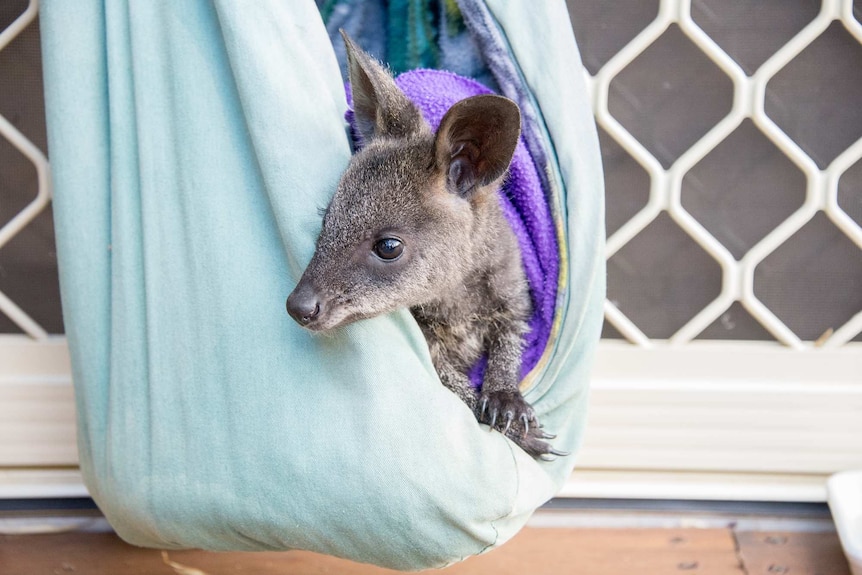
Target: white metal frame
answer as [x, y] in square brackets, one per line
[669, 419]
[666, 185]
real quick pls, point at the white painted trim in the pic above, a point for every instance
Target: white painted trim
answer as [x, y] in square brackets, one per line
[616, 484]
[37, 408]
[723, 408]
[22, 358]
[643, 519]
[41, 483]
[744, 362]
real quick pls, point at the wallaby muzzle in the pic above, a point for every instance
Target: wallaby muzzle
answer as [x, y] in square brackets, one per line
[304, 305]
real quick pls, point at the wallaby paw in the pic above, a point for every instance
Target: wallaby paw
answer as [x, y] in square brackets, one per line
[511, 415]
[506, 411]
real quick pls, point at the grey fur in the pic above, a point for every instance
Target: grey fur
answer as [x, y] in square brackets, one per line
[459, 269]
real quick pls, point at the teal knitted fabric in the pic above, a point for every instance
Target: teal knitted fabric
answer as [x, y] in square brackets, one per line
[192, 144]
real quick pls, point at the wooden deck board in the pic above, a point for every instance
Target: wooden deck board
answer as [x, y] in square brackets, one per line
[792, 554]
[535, 551]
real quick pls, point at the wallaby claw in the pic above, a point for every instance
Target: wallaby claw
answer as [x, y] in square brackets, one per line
[510, 417]
[493, 418]
[546, 435]
[526, 421]
[484, 407]
[534, 446]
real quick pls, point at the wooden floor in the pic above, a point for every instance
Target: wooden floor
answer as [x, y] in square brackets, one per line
[535, 551]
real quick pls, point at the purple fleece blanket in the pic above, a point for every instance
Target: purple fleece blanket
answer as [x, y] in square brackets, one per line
[523, 199]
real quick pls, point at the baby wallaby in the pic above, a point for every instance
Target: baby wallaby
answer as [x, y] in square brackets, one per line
[415, 222]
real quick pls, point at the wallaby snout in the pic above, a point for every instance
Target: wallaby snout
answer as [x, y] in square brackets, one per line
[304, 305]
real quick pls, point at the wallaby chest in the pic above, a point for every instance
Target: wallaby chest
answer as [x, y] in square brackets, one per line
[460, 323]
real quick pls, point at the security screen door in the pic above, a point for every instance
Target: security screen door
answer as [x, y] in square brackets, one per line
[731, 132]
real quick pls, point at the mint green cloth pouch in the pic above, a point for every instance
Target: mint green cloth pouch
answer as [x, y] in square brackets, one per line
[192, 144]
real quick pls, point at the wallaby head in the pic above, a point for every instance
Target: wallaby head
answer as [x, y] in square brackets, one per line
[413, 210]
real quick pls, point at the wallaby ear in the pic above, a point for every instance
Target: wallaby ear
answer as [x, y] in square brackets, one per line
[379, 105]
[476, 140]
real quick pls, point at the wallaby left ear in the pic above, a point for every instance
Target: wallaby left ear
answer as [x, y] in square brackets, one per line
[476, 140]
[379, 105]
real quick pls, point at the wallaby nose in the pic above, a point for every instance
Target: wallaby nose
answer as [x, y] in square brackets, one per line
[303, 305]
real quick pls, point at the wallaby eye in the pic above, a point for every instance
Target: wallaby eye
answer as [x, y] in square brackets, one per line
[388, 248]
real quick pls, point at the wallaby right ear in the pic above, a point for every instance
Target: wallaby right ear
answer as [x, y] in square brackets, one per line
[379, 105]
[476, 141]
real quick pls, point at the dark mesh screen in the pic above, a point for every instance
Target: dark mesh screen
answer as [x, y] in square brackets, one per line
[28, 263]
[668, 97]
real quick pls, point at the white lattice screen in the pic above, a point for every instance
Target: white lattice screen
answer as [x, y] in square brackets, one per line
[763, 78]
[666, 170]
[19, 221]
